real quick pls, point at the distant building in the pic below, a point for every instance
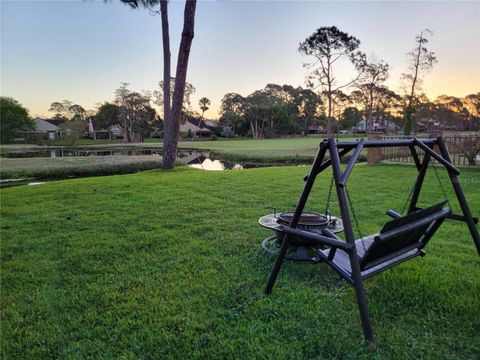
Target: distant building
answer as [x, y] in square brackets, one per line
[96, 132]
[56, 122]
[377, 126]
[314, 129]
[195, 127]
[211, 124]
[43, 126]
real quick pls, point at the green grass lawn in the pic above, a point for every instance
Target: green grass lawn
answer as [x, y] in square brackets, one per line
[305, 147]
[169, 265]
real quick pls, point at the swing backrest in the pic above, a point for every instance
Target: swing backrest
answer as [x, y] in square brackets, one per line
[404, 234]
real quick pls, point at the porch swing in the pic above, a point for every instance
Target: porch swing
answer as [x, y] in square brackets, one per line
[400, 239]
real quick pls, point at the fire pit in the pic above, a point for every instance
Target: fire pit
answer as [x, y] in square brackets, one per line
[300, 249]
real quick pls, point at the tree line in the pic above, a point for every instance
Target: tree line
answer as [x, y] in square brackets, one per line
[279, 110]
[276, 110]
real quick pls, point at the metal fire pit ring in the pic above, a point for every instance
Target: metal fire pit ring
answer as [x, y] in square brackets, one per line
[300, 249]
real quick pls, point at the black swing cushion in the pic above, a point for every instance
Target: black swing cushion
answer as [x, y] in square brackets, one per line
[398, 241]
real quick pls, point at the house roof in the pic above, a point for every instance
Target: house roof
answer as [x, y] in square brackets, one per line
[211, 123]
[205, 131]
[56, 122]
[190, 126]
[44, 126]
[197, 122]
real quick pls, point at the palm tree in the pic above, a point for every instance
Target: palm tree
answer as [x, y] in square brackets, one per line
[204, 104]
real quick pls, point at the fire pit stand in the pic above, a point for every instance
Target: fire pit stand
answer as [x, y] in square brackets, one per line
[300, 249]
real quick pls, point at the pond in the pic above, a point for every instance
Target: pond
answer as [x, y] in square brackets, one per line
[68, 152]
[194, 159]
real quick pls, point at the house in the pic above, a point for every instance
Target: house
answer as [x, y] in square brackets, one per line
[421, 126]
[56, 122]
[115, 132]
[377, 126]
[49, 128]
[211, 124]
[313, 129]
[195, 127]
[94, 132]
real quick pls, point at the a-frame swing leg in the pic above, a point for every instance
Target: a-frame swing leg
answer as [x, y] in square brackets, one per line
[350, 238]
[460, 196]
[422, 170]
[298, 212]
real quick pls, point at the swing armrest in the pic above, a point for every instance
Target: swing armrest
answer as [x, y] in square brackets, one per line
[394, 214]
[333, 242]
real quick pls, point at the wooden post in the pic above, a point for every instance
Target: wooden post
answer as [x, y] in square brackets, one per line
[374, 154]
[461, 197]
[350, 238]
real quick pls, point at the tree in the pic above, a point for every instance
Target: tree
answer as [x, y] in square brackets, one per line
[159, 95]
[73, 129]
[349, 118]
[308, 107]
[340, 101]
[469, 147]
[387, 105]
[232, 113]
[204, 104]
[13, 117]
[58, 109]
[67, 110]
[77, 111]
[328, 45]
[107, 115]
[172, 115]
[472, 104]
[451, 112]
[61, 109]
[135, 115]
[421, 60]
[374, 74]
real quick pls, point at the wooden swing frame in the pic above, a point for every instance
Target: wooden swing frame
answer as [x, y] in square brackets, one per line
[421, 226]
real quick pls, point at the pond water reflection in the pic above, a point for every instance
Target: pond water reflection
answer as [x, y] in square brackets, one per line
[207, 164]
[69, 152]
[192, 158]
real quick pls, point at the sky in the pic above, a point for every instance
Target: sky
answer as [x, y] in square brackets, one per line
[82, 50]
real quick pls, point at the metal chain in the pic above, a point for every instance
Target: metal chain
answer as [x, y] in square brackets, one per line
[432, 164]
[440, 183]
[408, 199]
[329, 196]
[355, 220]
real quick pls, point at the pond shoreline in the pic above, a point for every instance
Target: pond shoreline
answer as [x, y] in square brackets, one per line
[41, 163]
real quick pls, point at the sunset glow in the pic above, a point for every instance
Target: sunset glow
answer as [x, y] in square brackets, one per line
[82, 51]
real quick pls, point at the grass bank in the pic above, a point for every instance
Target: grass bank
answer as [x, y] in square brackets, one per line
[168, 265]
[283, 151]
[305, 147]
[60, 168]
[247, 152]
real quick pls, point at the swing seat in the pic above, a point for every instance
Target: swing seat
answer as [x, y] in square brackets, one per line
[399, 240]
